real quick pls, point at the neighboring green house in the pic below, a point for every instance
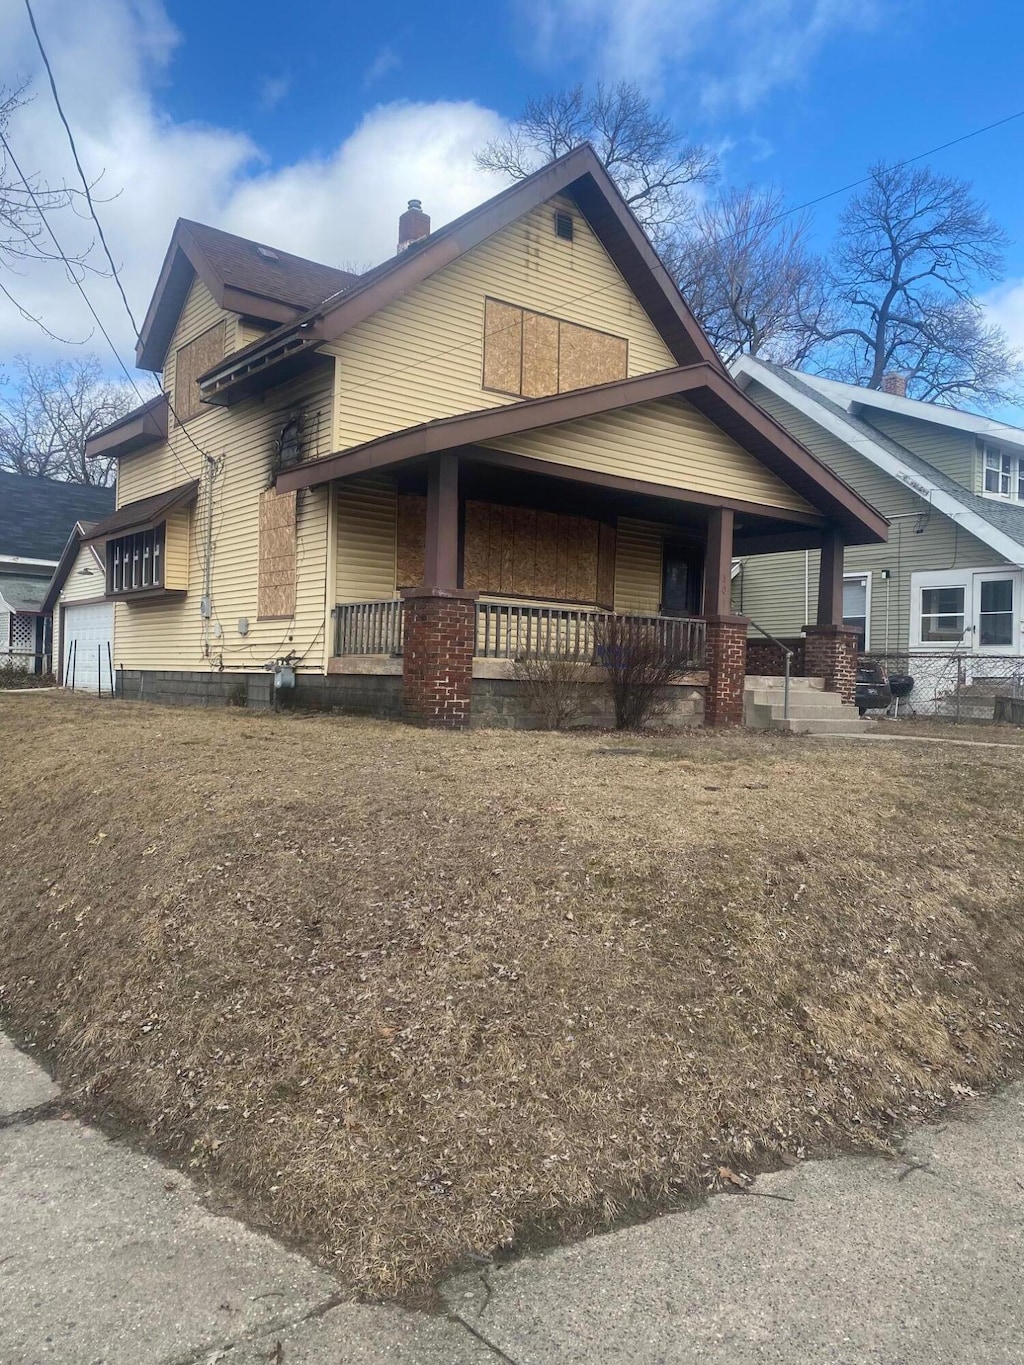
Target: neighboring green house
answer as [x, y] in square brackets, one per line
[945, 592]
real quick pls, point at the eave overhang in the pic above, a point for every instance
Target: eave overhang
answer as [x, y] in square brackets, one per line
[705, 387]
[143, 515]
[143, 427]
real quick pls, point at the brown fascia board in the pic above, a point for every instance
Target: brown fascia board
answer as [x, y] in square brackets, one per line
[143, 427]
[67, 558]
[706, 387]
[184, 260]
[144, 514]
[581, 173]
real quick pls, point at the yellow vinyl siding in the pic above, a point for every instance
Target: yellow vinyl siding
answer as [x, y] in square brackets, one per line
[421, 357]
[85, 583]
[176, 550]
[365, 518]
[663, 442]
[638, 565]
[770, 588]
[242, 440]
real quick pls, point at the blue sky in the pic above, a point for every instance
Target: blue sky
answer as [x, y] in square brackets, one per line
[309, 126]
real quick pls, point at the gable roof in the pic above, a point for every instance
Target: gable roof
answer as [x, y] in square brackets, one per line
[64, 565]
[243, 276]
[36, 515]
[708, 388]
[579, 173]
[997, 524]
[853, 398]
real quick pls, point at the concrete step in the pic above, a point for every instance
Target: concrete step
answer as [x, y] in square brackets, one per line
[760, 681]
[830, 700]
[772, 714]
[842, 725]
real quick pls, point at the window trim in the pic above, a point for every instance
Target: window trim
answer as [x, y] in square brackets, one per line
[1015, 474]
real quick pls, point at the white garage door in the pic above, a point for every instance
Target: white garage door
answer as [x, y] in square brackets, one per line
[88, 644]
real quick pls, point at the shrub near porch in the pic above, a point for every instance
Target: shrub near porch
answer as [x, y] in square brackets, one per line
[414, 994]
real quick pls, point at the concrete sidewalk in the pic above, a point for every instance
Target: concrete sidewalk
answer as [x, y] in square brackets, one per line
[109, 1258]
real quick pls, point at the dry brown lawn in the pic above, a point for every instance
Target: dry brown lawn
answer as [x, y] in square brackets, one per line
[413, 995]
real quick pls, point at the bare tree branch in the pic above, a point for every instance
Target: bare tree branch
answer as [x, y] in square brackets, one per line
[48, 411]
[748, 274]
[912, 251]
[651, 162]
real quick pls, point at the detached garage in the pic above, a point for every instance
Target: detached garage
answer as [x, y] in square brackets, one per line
[83, 620]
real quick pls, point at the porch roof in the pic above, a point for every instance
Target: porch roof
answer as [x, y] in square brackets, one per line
[703, 386]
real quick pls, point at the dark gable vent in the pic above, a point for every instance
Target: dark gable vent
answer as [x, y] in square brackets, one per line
[563, 226]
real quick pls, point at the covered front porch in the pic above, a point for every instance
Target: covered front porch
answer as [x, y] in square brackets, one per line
[521, 531]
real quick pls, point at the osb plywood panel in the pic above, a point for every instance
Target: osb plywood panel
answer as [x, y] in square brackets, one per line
[412, 539]
[522, 552]
[503, 346]
[586, 357]
[540, 355]
[193, 359]
[276, 592]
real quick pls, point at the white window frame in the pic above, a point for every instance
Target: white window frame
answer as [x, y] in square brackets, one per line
[940, 578]
[1009, 467]
[864, 574]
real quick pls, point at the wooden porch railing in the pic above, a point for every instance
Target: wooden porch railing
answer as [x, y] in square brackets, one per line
[511, 630]
[368, 627]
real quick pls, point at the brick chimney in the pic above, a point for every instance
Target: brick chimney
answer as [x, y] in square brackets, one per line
[413, 225]
[895, 384]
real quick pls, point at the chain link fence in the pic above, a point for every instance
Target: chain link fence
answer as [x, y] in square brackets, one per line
[950, 686]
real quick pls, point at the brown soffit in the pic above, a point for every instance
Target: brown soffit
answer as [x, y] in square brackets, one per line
[142, 427]
[581, 174]
[144, 514]
[706, 387]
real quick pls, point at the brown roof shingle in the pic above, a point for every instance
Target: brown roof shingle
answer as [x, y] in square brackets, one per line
[267, 271]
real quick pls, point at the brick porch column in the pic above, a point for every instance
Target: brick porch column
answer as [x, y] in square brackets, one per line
[437, 657]
[727, 668]
[830, 652]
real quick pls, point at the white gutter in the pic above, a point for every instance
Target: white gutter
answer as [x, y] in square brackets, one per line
[1011, 550]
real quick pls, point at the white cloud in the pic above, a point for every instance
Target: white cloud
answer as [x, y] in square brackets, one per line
[273, 89]
[727, 56]
[386, 61]
[109, 63]
[1005, 307]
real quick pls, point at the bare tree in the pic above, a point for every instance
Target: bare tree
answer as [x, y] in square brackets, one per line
[48, 411]
[648, 158]
[912, 250]
[748, 274]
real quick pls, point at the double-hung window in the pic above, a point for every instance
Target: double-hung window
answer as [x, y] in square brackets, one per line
[855, 606]
[1004, 474]
[943, 615]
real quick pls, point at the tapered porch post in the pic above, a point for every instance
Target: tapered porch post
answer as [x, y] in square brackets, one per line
[831, 649]
[726, 633]
[439, 618]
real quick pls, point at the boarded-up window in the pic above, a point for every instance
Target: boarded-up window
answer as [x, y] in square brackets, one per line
[276, 594]
[190, 362]
[532, 355]
[518, 552]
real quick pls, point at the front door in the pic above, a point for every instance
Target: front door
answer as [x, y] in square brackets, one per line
[682, 575]
[997, 606]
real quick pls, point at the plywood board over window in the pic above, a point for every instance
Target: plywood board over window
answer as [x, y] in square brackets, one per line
[518, 552]
[190, 362]
[277, 569]
[532, 355]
